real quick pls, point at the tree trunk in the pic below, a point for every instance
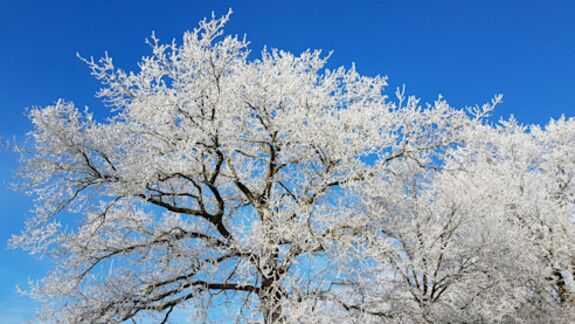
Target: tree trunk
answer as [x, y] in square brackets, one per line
[270, 299]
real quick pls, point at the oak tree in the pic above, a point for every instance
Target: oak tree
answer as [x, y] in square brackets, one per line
[275, 189]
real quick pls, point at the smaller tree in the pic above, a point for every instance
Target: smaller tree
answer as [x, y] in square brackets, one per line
[488, 237]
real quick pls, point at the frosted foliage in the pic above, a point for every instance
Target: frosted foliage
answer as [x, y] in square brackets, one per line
[274, 189]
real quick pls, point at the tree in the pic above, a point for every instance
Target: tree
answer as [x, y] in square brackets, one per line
[289, 192]
[488, 237]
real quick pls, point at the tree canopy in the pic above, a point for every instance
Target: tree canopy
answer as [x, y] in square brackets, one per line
[275, 189]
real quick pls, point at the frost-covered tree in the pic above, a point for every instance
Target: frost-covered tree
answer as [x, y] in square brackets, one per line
[487, 236]
[274, 189]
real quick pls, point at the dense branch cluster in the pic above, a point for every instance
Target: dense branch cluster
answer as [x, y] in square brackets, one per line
[277, 190]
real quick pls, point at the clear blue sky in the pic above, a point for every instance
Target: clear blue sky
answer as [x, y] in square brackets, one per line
[466, 50]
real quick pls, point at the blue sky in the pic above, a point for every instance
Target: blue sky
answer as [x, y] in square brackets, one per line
[466, 50]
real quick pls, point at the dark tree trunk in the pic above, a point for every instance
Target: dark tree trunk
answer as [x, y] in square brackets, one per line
[270, 296]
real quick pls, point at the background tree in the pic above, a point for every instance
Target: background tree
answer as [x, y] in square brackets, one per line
[488, 237]
[286, 191]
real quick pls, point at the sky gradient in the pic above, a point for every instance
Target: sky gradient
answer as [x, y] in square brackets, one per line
[467, 51]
